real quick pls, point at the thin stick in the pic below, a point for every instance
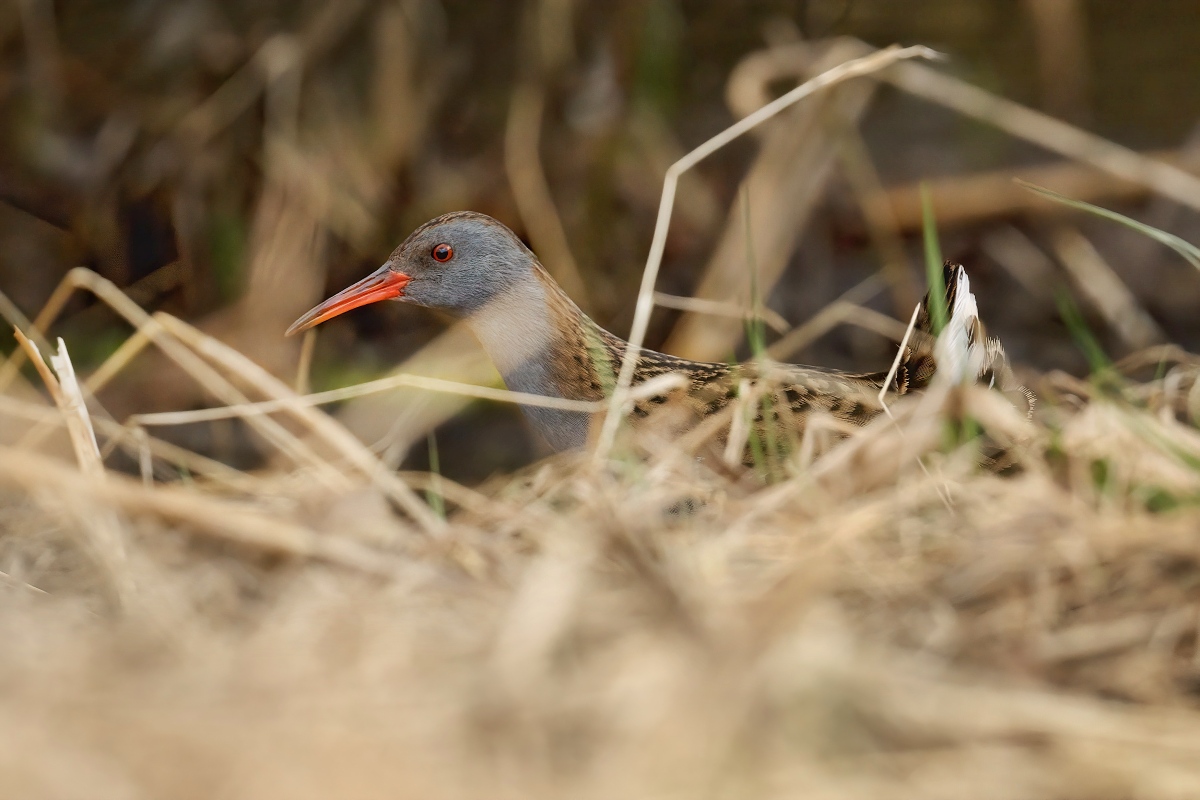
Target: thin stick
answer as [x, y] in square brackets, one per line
[35, 357]
[120, 358]
[67, 396]
[79, 422]
[659, 385]
[718, 308]
[360, 390]
[107, 540]
[912, 324]
[829, 317]
[50, 311]
[95, 382]
[815, 326]
[645, 303]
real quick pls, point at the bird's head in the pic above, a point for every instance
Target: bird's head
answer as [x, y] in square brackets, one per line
[457, 263]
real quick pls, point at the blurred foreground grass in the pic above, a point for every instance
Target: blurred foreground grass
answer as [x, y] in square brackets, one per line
[890, 621]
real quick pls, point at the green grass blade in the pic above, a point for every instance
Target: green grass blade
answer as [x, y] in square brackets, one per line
[1097, 360]
[1186, 249]
[933, 263]
[433, 496]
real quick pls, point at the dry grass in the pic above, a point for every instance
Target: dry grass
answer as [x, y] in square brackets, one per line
[884, 620]
[891, 621]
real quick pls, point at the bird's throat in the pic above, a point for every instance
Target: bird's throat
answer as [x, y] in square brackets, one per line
[539, 341]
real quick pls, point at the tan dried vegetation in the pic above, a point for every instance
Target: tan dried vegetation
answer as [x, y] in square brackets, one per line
[887, 621]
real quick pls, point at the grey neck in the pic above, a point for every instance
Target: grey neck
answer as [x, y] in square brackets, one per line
[521, 330]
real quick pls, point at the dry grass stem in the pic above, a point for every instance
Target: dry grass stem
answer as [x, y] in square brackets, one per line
[641, 391]
[778, 197]
[891, 373]
[836, 313]
[74, 408]
[106, 530]
[718, 308]
[645, 302]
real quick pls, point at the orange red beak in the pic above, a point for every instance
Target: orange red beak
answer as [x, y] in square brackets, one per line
[382, 284]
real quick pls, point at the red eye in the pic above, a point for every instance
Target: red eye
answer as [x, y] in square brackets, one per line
[442, 252]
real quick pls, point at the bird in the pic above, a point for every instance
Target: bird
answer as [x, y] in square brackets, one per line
[476, 269]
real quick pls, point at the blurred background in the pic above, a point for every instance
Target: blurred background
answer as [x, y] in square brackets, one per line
[233, 163]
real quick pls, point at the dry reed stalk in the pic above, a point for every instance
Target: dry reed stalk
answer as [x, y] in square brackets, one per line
[468, 499]
[144, 446]
[14, 317]
[839, 312]
[279, 59]
[741, 414]
[721, 308]
[750, 87]
[891, 373]
[64, 390]
[645, 302]
[400, 98]
[921, 81]
[782, 187]
[9, 580]
[876, 456]
[205, 376]
[107, 535]
[650, 388]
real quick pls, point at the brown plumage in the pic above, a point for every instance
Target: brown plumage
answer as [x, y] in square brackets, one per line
[475, 268]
